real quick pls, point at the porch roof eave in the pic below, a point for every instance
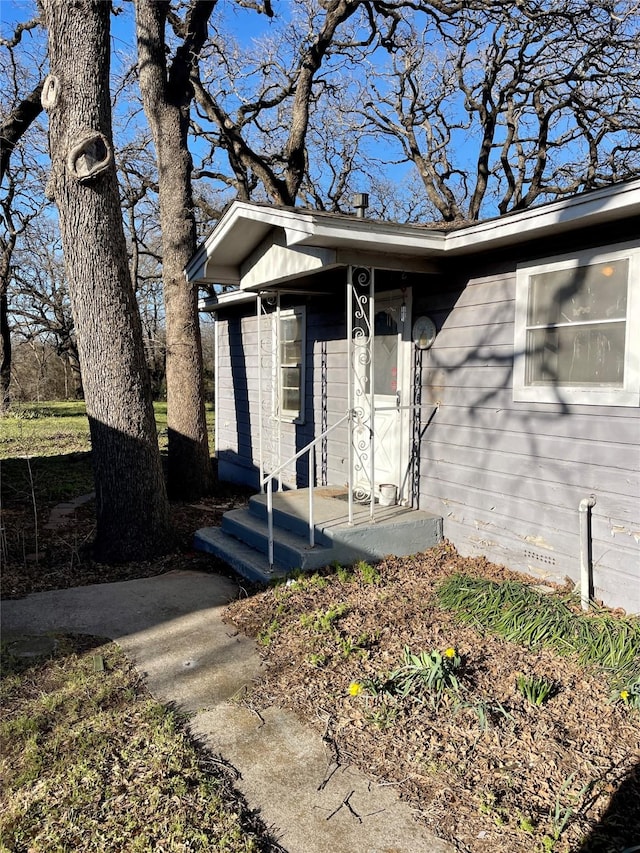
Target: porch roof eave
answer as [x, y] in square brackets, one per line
[245, 226]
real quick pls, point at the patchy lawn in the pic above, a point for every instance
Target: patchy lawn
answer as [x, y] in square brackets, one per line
[89, 762]
[44, 429]
[481, 763]
[61, 427]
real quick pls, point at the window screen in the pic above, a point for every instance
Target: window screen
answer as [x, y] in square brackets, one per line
[576, 320]
[576, 325]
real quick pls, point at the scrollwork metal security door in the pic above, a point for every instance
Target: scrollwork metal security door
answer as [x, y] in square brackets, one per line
[379, 386]
[392, 389]
[360, 313]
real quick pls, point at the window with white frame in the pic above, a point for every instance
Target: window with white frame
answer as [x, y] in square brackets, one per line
[577, 329]
[291, 348]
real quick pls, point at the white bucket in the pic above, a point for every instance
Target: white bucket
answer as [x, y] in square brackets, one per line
[388, 494]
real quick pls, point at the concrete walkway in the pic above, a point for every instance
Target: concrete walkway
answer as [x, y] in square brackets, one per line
[62, 514]
[171, 627]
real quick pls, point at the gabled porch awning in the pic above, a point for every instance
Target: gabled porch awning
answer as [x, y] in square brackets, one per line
[256, 247]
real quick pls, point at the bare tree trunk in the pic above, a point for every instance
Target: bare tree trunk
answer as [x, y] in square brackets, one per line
[132, 508]
[5, 352]
[7, 245]
[166, 95]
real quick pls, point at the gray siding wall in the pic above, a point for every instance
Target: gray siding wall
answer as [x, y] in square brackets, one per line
[237, 399]
[238, 449]
[508, 477]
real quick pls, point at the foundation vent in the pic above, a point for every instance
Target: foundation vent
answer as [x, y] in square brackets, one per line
[546, 559]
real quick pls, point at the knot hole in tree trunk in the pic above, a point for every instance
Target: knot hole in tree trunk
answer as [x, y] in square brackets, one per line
[89, 156]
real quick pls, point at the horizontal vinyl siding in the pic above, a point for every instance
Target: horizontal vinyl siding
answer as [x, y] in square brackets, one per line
[237, 417]
[508, 477]
[236, 375]
[327, 350]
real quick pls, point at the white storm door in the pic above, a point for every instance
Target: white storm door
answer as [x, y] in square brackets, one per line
[392, 385]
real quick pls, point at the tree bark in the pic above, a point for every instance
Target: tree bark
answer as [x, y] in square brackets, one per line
[7, 244]
[166, 95]
[5, 352]
[132, 507]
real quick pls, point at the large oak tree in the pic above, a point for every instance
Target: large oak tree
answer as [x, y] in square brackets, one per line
[132, 508]
[166, 94]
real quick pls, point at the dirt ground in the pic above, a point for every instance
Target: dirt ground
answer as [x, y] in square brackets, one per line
[63, 556]
[485, 769]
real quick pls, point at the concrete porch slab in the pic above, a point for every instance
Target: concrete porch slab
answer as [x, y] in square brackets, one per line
[397, 530]
[242, 541]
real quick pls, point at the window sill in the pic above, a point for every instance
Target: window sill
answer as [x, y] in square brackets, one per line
[577, 396]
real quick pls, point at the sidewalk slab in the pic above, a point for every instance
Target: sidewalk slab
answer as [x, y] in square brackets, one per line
[171, 627]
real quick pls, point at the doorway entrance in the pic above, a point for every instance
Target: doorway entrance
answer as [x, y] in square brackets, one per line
[382, 439]
[392, 387]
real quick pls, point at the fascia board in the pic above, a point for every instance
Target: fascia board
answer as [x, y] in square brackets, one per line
[244, 225]
[593, 208]
[365, 234]
[211, 304]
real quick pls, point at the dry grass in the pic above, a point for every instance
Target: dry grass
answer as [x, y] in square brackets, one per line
[483, 767]
[89, 762]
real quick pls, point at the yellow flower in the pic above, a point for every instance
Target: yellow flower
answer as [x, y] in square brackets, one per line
[450, 653]
[624, 694]
[355, 688]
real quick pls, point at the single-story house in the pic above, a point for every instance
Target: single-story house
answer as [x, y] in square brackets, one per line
[487, 374]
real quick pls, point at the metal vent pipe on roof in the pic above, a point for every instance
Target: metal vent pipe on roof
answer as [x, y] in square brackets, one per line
[360, 203]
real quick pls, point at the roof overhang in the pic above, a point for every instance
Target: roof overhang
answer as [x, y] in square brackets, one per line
[597, 207]
[256, 246]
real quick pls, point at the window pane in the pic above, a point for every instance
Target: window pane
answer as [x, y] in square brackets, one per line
[290, 400]
[587, 293]
[290, 377]
[385, 353]
[291, 352]
[579, 355]
[290, 328]
[291, 389]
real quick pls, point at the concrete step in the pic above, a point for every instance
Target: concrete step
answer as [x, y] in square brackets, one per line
[395, 530]
[243, 559]
[290, 551]
[242, 541]
[291, 513]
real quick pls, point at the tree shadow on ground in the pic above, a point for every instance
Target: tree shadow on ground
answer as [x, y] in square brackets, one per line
[618, 830]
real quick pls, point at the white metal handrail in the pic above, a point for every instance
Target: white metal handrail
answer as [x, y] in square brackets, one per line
[310, 449]
[267, 481]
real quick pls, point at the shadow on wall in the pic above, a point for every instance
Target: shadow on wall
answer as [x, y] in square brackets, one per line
[618, 830]
[240, 391]
[233, 467]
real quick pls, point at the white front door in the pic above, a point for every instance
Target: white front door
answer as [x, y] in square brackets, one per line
[392, 390]
[390, 356]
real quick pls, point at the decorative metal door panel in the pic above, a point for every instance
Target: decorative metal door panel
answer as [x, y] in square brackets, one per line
[391, 350]
[380, 370]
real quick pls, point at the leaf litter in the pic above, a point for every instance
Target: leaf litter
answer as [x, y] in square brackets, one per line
[485, 769]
